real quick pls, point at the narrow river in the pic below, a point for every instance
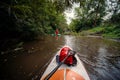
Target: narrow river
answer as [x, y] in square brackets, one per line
[101, 57]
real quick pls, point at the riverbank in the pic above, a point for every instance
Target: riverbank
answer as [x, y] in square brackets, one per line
[109, 31]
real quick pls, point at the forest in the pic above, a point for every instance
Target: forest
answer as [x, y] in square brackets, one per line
[98, 17]
[24, 20]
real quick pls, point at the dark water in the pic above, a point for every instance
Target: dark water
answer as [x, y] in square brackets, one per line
[101, 57]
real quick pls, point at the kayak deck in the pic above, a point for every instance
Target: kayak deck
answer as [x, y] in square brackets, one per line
[77, 72]
[66, 74]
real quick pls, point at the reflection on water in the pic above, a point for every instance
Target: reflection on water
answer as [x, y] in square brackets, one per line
[29, 63]
[69, 41]
[101, 57]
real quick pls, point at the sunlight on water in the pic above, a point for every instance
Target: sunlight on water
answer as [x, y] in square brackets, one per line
[102, 53]
[69, 41]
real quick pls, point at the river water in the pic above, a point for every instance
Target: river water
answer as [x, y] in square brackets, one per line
[101, 57]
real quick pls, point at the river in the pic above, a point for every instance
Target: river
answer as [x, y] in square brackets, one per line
[101, 57]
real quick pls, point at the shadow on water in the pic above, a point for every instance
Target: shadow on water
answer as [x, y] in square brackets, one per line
[29, 63]
[101, 57]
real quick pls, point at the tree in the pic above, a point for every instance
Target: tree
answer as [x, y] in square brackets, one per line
[28, 19]
[90, 13]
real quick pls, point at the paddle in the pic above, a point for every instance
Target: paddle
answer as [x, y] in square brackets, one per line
[70, 52]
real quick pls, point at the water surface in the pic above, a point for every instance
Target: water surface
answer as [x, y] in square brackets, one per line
[101, 57]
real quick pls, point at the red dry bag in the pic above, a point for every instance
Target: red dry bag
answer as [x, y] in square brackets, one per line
[63, 54]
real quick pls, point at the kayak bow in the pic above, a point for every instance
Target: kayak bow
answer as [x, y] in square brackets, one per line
[65, 72]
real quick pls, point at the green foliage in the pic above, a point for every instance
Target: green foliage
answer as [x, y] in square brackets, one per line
[30, 18]
[89, 18]
[99, 29]
[106, 30]
[26, 19]
[82, 24]
[89, 15]
[112, 31]
[115, 19]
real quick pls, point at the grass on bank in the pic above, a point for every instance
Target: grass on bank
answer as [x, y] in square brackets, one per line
[107, 31]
